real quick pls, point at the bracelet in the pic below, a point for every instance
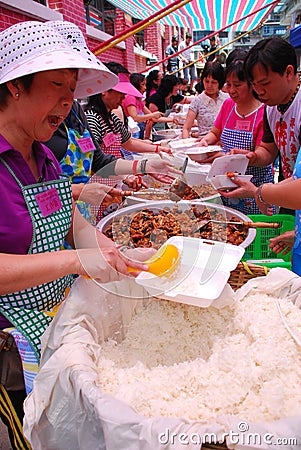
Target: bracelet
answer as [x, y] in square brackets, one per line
[143, 166]
[157, 148]
[123, 248]
[135, 165]
[259, 196]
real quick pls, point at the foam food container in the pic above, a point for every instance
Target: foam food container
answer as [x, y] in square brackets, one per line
[201, 275]
[202, 152]
[228, 163]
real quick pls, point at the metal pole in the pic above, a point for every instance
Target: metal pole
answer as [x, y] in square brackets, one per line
[139, 26]
[211, 35]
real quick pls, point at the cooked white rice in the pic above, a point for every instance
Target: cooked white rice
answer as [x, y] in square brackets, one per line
[183, 361]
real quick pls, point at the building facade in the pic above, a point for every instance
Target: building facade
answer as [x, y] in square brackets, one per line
[97, 25]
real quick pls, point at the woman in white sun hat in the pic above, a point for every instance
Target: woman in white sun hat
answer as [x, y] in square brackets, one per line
[40, 75]
[78, 151]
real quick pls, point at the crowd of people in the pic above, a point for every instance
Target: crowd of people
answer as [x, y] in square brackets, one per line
[56, 153]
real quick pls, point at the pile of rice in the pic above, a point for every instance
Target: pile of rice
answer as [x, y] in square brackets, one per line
[184, 361]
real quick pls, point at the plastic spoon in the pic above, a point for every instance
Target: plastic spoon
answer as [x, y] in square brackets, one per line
[163, 262]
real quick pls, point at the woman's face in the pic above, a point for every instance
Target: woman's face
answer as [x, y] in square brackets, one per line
[142, 86]
[175, 89]
[47, 103]
[112, 99]
[239, 91]
[158, 80]
[210, 86]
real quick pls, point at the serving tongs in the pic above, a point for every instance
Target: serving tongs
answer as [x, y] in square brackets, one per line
[148, 191]
[203, 223]
[178, 187]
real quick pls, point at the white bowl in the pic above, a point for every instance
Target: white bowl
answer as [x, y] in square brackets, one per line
[223, 182]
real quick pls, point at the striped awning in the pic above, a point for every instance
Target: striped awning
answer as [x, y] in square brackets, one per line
[200, 14]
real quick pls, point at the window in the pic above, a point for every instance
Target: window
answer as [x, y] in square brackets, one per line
[266, 31]
[100, 14]
[43, 2]
[138, 37]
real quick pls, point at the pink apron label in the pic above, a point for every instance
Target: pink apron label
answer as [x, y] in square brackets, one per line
[243, 125]
[86, 144]
[49, 202]
[109, 139]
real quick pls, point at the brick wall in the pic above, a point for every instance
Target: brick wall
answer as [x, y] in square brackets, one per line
[73, 11]
[9, 18]
[113, 54]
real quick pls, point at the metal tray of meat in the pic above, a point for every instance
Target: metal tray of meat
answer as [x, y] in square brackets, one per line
[151, 224]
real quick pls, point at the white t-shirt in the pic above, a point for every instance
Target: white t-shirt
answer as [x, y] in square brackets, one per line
[185, 53]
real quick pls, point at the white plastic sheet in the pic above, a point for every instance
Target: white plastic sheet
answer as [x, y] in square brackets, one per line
[67, 410]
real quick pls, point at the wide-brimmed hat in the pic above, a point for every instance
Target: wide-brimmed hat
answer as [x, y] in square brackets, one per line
[73, 35]
[125, 86]
[32, 47]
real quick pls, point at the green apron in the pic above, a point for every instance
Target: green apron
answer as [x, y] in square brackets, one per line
[24, 309]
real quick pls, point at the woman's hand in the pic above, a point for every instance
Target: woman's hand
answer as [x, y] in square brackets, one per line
[162, 170]
[105, 262]
[96, 193]
[252, 156]
[202, 142]
[245, 189]
[156, 115]
[211, 157]
[282, 243]
[134, 182]
[164, 150]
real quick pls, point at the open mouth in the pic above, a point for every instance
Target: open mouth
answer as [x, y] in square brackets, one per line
[55, 120]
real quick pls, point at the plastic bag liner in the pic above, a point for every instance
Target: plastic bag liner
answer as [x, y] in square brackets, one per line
[67, 410]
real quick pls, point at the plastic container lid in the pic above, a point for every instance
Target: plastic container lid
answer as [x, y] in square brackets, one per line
[229, 163]
[201, 275]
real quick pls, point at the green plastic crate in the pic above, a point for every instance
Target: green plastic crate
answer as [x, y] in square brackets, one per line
[259, 249]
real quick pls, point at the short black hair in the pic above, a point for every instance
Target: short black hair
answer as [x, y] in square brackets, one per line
[136, 79]
[116, 68]
[237, 53]
[25, 81]
[273, 53]
[167, 84]
[216, 70]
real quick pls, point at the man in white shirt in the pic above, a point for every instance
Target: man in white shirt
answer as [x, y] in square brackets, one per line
[185, 56]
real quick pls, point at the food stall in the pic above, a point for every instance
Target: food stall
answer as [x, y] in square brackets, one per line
[125, 367]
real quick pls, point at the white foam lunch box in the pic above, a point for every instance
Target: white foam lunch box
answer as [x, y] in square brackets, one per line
[201, 275]
[217, 175]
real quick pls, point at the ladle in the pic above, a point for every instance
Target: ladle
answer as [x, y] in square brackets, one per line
[203, 223]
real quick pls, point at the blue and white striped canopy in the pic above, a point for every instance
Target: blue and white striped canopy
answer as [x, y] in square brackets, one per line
[202, 14]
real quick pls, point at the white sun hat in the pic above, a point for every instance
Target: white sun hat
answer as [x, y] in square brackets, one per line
[31, 47]
[75, 38]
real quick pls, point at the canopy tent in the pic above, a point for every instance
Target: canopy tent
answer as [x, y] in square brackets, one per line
[295, 37]
[201, 14]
